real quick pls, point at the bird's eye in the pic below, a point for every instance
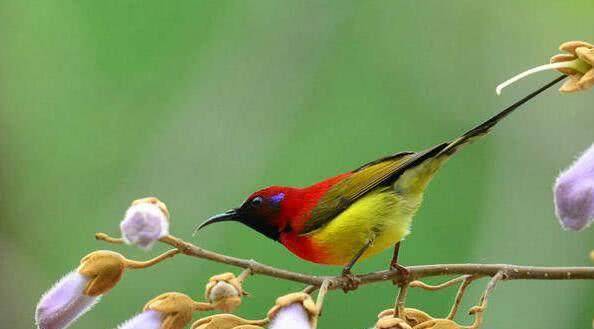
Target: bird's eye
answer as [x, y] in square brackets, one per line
[256, 202]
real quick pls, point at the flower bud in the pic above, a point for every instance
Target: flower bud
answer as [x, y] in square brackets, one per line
[574, 193]
[146, 320]
[176, 309]
[104, 268]
[145, 222]
[74, 294]
[78, 291]
[170, 310]
[224, 292]
[227, 321]
[64, 302]
[296, 310]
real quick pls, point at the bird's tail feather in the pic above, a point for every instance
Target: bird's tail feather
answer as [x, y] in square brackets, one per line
[485, 127]
[421, 168]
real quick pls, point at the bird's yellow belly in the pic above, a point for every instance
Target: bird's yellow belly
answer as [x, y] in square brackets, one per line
[383, 216]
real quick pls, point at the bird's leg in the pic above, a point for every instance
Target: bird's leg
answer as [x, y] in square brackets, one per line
[352, 282]
[403, 272]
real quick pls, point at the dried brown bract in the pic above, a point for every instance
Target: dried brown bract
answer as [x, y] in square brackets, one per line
[227, 321]
[417, 319]
[105, 269]
[224, 292]
[582, 54]
[177, 309]
[155, 201]
[412, 316]
[391, 323]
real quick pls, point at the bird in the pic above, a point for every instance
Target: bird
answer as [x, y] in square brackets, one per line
[357, 214]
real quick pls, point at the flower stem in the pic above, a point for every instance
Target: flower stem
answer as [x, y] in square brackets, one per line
[138, 264]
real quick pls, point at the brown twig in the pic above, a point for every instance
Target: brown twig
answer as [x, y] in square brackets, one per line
[321, 296]
[479, 310]
[244, 274]
[485, 297]
[512, 272]
[309, 289]
[400, 300]
[461, 290]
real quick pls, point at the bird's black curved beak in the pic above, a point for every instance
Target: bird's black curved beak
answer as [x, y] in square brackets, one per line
[229, 215]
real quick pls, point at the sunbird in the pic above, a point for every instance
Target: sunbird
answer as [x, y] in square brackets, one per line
[357, 214]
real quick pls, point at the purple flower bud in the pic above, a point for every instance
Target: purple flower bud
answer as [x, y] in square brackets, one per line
[149, 319]
[574, 193]
[144, 224]
[293, 316]
[64, 302]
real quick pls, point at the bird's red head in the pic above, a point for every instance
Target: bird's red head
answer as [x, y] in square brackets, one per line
[267, 211]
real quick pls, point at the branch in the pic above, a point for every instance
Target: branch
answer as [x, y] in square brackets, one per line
[511, 272]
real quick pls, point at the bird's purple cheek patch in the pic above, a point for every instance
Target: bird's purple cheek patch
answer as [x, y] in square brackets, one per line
[277, 198]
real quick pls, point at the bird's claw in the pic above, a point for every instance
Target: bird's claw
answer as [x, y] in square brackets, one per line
[350, 281]
[403, 274]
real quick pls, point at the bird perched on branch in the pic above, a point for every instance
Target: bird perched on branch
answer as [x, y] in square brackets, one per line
[357, 214]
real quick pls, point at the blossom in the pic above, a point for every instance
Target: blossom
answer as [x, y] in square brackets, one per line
[146, 320]
[574, 193]
[577, 63]
[64, 302]
[145, 222]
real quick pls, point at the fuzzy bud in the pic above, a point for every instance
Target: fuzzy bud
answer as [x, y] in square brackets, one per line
[146, 320]
[228, 321]
[297, 310]
[224, 292]
[574, 193]
[64, 302]
[145, 222]
[78, 291]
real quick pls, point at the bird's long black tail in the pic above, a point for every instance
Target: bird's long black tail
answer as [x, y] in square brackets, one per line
[415, 174]
[484, 128]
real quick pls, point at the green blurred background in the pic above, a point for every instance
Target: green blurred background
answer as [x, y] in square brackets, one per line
[202, 102]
